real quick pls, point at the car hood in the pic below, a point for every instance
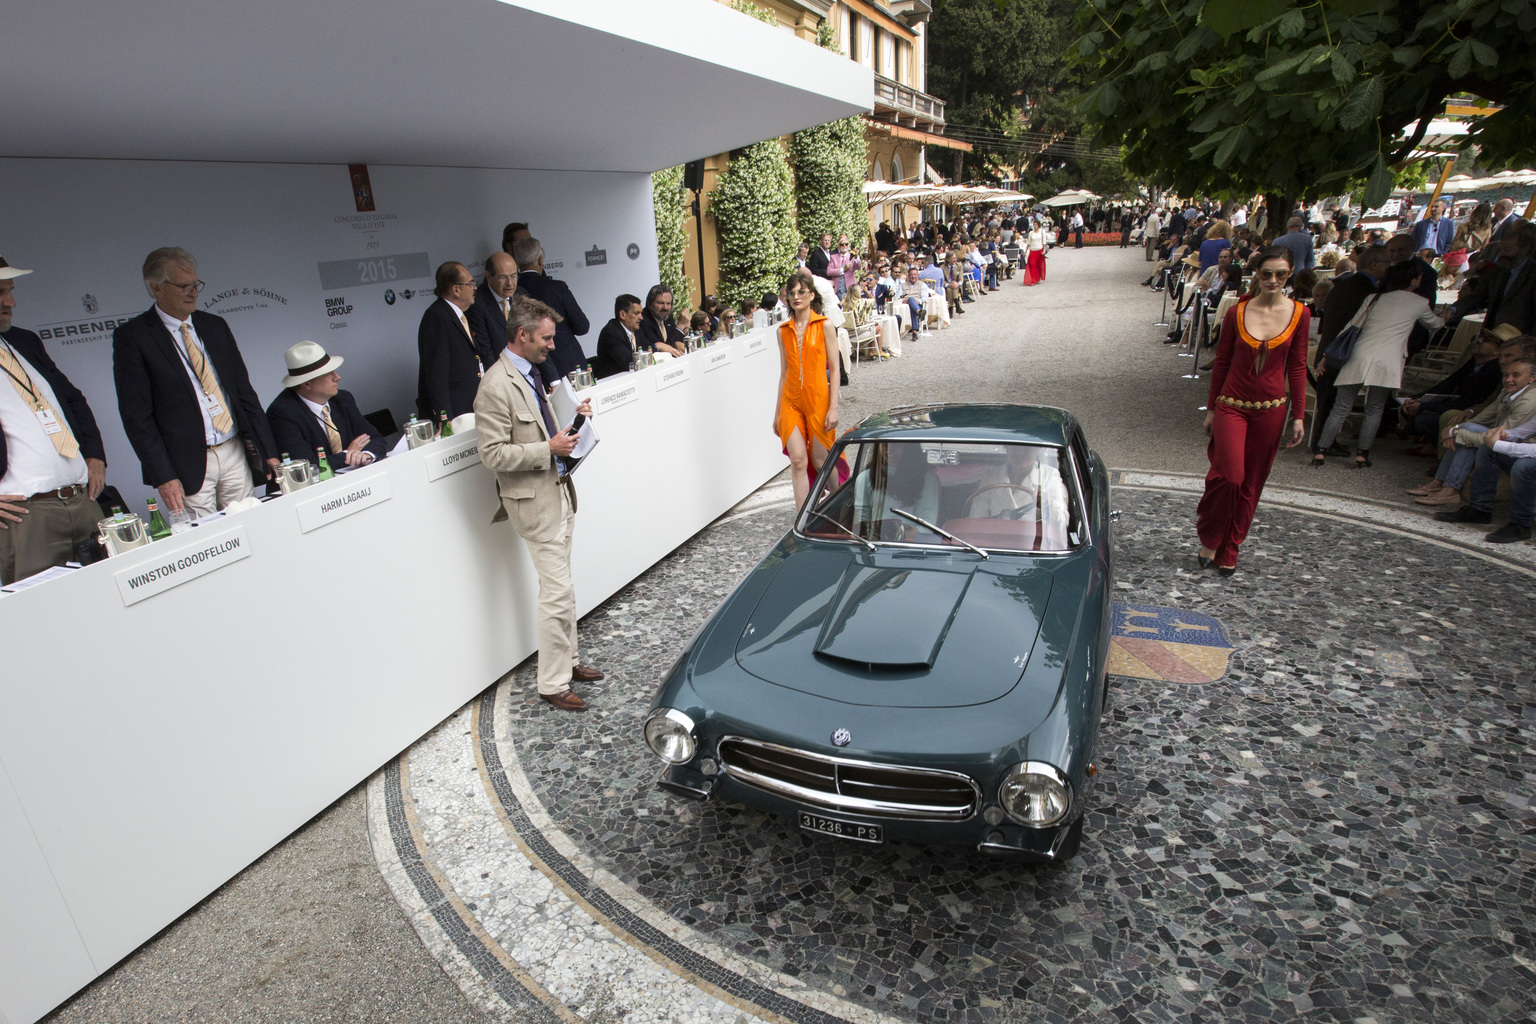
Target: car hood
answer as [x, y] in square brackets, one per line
[896, 629]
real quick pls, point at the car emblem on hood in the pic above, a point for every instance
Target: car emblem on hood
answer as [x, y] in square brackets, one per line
[842, 737]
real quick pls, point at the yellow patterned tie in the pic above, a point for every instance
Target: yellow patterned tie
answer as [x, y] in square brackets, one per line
[506, 308]
[223, 422]
[331, 433]
[64, 439]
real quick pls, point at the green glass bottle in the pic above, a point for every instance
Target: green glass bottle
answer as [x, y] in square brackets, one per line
[445, 428]
[159, 529]
[326, 473]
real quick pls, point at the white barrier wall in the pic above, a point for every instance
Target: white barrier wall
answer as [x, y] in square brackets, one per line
[153, 746]
[287, 257]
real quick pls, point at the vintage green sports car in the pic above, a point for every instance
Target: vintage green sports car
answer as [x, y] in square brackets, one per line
[922, 657]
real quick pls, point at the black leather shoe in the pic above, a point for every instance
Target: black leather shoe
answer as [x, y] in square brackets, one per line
[1509, 533]
[1465, 514]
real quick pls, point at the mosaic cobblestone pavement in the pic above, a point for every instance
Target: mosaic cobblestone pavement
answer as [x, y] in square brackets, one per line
[1338, 829]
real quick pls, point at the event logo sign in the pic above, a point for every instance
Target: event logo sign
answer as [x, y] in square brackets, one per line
[362, 188]
[84, 332]
[596, 257]
[336, 275]
[92, 307]
[242, 300]
[633, 252]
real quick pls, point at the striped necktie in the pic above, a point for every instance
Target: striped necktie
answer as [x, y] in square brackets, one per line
[63, 439]
[223, 423]
[331, 433]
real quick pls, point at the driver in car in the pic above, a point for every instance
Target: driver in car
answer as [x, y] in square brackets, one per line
[1024, 487]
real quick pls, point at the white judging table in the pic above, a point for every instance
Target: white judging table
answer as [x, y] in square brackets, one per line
[169, 715]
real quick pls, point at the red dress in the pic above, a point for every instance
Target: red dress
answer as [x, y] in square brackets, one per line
[1250, 403]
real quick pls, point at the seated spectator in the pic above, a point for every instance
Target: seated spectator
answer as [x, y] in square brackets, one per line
[858, 310]
[701, 324]
[1343, 268]
[658, 331]
[749, 311]
[711, 306]
[1320, 292]
[1522, 347]
[312, 412]
[1504, 448]
[765, 309]
[914, 295]
[1302, 283]
[1170, 255]
[619, 339]
[1515, 406]
[1466, 387]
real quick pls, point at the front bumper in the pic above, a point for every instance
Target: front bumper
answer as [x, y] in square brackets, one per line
[1007, 840]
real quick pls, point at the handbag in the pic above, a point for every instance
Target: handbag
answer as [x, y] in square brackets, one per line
[1343, 344]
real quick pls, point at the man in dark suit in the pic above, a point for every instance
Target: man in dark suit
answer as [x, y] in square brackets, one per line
[450, 368]
[1512, 299]
[1344, 301]
[1503, 218]
[52, 464]
[821, 256]
[658, 332]
[312, 412]
[488, 314]
[619, 339]
[520, 443]
[532, 282]
[185, 398]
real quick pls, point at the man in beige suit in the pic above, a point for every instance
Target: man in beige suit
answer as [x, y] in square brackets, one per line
[519, 441]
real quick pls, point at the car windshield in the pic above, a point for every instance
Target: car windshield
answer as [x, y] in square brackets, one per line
[1010, 497]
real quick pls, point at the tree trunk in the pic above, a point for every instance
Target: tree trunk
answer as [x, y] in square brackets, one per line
[1277, 208]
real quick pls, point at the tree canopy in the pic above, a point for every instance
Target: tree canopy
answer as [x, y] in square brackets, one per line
[1298, 97]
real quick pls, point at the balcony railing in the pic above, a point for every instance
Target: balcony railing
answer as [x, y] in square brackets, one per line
[906, 102]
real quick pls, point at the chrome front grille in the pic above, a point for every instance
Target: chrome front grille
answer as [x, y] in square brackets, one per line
[845, 784]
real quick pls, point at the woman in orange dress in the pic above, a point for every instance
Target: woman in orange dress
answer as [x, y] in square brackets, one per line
[1260, 372]
[805, 417]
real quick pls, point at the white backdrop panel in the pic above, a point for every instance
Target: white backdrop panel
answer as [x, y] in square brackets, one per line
[287, 257]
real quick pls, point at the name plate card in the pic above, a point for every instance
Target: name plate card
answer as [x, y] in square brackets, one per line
[209, 551]
[715, 358]
[673, 373]
[450, 460]
[756, 345]
[617, 398]
[341, 502]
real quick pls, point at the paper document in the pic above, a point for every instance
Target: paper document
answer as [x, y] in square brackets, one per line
[52, 573]
[562, 403]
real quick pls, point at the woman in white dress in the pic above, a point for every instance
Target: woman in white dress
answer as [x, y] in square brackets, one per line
[1376, 363]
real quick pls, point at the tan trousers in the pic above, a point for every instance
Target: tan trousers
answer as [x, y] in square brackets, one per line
[555, 621]
[46, 536]
[227, 480]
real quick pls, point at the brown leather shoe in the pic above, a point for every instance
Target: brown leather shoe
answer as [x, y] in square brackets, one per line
[565, 700]
[586, 674]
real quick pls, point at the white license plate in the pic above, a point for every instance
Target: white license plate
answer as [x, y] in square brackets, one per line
[842, 829]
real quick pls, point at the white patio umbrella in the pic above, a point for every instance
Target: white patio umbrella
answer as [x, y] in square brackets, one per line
[877, 193]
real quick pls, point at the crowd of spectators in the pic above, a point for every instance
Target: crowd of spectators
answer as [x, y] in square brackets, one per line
[1379, 290]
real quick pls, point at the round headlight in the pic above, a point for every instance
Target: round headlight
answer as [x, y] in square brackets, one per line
[1035, 794]
[669, 734]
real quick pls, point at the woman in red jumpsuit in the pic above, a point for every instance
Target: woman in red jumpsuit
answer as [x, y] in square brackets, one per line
[1260, 370]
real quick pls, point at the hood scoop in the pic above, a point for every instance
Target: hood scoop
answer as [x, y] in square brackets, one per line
[891, 618]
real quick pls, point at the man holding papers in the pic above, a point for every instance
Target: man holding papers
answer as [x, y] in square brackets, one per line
[521, 444]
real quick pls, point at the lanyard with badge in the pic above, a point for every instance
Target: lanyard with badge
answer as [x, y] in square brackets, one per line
[45, 416]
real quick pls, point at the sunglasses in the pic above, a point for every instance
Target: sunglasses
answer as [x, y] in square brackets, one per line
[1274, 275]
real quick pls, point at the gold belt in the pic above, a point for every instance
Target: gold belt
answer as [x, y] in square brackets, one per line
[1238, 403]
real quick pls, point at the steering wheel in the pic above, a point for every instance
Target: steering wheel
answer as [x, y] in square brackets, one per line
[1014, 513]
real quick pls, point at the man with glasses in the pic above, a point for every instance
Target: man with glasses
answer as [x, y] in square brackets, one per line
[488, 315]
[185, 398]
[450, 368]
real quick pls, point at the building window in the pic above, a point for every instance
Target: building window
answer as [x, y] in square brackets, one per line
[854, 25]
[878, 49]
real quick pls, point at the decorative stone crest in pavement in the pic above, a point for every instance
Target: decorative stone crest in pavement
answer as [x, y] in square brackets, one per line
[1147, 642]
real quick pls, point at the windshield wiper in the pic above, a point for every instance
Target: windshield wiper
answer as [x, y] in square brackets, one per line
[840, 526]
[940, 531]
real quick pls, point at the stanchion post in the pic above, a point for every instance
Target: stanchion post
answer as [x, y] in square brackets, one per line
[1162, 319]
